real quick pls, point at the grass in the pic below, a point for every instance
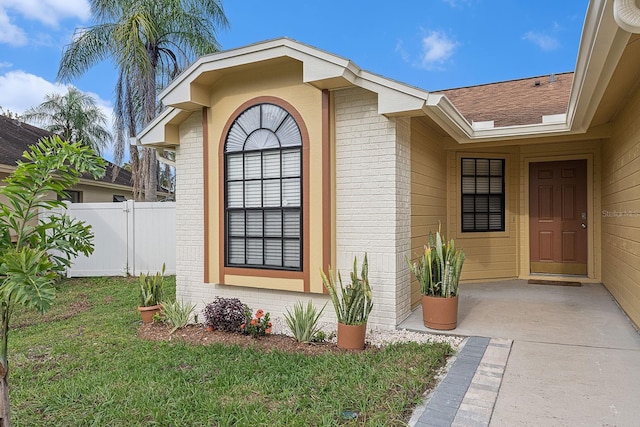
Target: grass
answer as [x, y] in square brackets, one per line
[81, 364]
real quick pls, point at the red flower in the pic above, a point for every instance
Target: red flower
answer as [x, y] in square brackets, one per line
[253, 322]
[259, 314]
[267, 331]
[270, 324]
[242, 326]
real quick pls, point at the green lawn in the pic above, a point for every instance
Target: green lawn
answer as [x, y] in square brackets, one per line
[81, 364]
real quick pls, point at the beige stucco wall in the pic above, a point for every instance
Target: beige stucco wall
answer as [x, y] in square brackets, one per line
[283, 81]
[492, 255]
[620, 214]
[90, 193]
[428, 191]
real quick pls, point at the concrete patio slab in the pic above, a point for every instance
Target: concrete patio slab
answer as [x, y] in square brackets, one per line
[561, 385]
[558, 356]
[586, 315]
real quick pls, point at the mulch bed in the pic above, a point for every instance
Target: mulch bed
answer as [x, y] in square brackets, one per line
[197, 335]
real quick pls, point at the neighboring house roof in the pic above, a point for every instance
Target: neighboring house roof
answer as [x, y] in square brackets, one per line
[515, 102]
[17, 136]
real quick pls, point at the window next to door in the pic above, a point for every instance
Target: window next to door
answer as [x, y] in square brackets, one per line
[483, 201]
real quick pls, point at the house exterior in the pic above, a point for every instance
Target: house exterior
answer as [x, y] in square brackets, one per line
[290, 159]
[15, 139]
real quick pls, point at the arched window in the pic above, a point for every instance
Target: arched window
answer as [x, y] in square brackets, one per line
[263, 190]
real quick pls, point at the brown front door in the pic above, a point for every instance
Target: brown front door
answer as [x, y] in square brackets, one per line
[558, 217]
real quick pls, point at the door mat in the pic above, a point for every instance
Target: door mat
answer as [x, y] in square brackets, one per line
[553, 282]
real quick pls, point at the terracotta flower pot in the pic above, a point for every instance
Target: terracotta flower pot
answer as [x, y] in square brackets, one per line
[147, 313]
[351, 337]
[440, 313]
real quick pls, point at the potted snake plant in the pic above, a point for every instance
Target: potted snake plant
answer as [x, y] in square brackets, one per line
[151, 294]
[353, 303]
[438, 272]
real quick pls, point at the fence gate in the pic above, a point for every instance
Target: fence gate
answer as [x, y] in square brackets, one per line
[130, 238]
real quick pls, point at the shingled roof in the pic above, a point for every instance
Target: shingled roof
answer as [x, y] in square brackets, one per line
[17, 136]
[514, 102]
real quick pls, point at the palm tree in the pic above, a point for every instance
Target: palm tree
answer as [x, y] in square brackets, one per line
[74, 117]
[150, 42]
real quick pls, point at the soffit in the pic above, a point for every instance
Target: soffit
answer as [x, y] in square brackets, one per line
[623, 83]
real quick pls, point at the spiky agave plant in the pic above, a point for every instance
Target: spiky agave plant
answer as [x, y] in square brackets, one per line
[353, 303]
[438, 269]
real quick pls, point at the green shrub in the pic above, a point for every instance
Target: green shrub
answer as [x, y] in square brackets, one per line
[177, 314]
[438, 268]
[303, 322]
[258, 325]
[225, 314]
[151, 288]
[353, 302]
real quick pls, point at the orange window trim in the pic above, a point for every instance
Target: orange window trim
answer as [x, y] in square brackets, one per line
[205, 160]
[326, 182]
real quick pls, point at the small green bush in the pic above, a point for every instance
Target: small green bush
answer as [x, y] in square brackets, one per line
[177, 314]
[258, 325]
[151, 288]
[303, 322]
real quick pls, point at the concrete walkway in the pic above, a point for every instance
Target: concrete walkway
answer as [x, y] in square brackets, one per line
[556, 356]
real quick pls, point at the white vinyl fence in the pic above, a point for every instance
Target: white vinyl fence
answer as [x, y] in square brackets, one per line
[130, 238]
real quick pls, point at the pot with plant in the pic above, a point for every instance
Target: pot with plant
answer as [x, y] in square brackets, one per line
[352, 304]
[438, 271]
[151, 294]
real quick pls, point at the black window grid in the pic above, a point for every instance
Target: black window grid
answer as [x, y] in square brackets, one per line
[478, 209]
[282, 209]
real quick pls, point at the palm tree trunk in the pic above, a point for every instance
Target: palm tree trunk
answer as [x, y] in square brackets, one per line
[151, 188]
[136, 173]
[149, 101]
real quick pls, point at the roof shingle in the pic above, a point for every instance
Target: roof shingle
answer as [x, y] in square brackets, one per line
[17, 136]
[514, 102]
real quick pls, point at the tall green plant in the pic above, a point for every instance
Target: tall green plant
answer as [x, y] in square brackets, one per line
[35, 250]
[151, 288]
[352, 302]
[438, 269]
[303, 322]
[177, 314]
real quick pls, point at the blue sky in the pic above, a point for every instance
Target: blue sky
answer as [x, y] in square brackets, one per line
[431, 44]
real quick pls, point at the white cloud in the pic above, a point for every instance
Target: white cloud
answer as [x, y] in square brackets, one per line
[458, 3]
[401, 50]
[10, 33]
[49, 12]
[20, 90]
[436, 49]
[543, 41]
[5, 64]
